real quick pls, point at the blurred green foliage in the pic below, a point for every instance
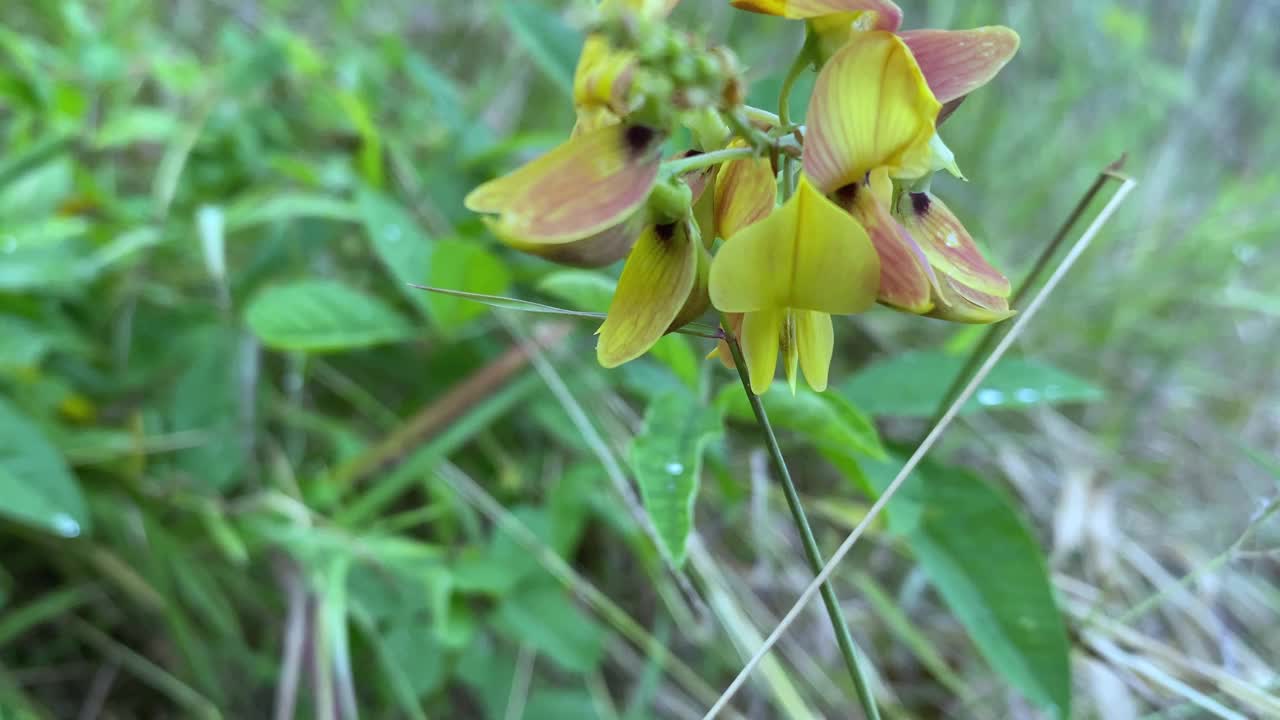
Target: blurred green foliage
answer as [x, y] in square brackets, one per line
[245, 469]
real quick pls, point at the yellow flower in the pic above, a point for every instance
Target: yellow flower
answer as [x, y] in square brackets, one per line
[871, 121]
[870, 109]
[789, 273]
[953, 62]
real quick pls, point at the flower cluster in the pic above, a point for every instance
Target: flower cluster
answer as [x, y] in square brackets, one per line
[855, 226]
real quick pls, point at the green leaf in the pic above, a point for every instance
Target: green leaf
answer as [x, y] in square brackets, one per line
[323, 316]
[204, 402]
[22, 344]
[581, 289]
[463, 265]
[666, 458]
[844, 435]
[552, 44]
[987, 566]
[541, 615]
[826, 420]
[913, 384]
[400, 243]
[35, 482]
[136, 125]
[261, 210]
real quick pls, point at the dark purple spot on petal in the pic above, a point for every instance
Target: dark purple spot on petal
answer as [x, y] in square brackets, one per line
[639, 138]
[845, 196]
[920, 203]
[665, 232]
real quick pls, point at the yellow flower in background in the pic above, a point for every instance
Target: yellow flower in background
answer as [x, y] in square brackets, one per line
[603, 78]
[789, 273]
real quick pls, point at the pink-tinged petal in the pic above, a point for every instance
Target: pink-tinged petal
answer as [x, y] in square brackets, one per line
[957, 62]
[870, 108]
[961, 304]
[888, 14]
[581, 188]
[603, 248]
[746, 191]
[948, 245]
[906, 280]
[652, 290]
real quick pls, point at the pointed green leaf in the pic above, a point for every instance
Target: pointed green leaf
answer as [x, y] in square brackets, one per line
[986, 564]
[399, 242]
[666, 458]
[323, 316]
[35, 482]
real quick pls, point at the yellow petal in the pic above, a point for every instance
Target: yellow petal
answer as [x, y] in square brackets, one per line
[698, 300]
[582, 187]
[957, 62]
[948, 245]
[808, 254]
[760, 333]
[889, 15]
[961, 304]
[746, 190]
[652, 289]
[815, 341]
[790, 351]
[870, 108]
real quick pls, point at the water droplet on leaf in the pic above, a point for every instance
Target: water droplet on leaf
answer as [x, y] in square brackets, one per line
[989, 396]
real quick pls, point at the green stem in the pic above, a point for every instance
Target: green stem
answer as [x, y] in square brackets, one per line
[784, 116]
[742, 127]
[989, 339]
[707, 159]
[811, 551]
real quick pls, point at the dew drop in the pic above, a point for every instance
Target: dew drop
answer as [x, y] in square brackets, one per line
[1245, 253]
[1027, 395]
[952, 240]
[989, 396]
[675, 468]
[65, 525]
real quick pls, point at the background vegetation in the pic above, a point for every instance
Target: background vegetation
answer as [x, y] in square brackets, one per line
[246, 472]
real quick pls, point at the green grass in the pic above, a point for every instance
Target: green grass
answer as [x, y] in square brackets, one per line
[245, 469]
